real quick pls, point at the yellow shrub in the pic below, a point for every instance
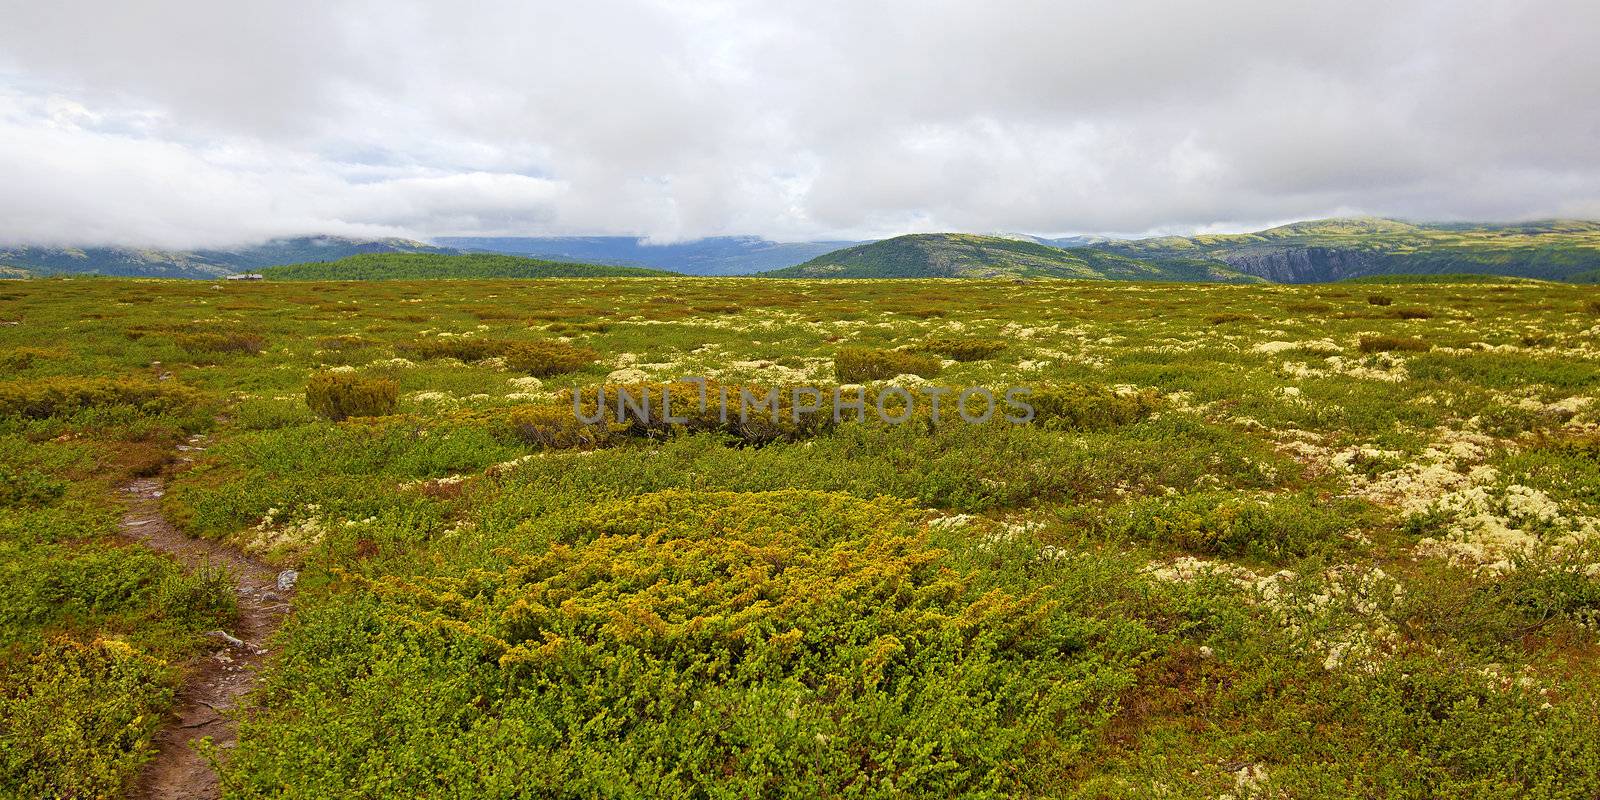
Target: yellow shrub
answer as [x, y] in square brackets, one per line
[50, 397]
[545, 358]
[341, 395]
[863, 364]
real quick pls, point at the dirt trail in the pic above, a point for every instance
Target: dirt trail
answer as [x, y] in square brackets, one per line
[217, 682]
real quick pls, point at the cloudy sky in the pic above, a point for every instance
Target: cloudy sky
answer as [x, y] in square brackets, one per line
[179, 124]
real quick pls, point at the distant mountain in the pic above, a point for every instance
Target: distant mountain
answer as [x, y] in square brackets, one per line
[135, 262]
[415, 266]
[1338, 249]
[722, 255]
[955, 255]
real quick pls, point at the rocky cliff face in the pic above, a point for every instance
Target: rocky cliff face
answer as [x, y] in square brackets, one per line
[1304, 264]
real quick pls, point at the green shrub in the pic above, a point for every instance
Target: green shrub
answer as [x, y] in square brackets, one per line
[543, 359]
[1380, 299]
[714, 644]
[1080, 407]
[1593, 306]
[1220, 319]
[210, 343]
[20, 358]
[1311, 307]
[1275, 528]
[341, 395]
[761, 421]
[578, 327]
[342, 343]
[1413, 312]
[53, 397]
[1385, 344]
[463, 348]
[864, 364]
[77, 720]
[557, 429]
[960, 348]
[28, 487]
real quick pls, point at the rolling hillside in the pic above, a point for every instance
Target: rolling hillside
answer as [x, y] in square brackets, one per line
[145, 263]
[953, 255]
[413, 266]
[1337, 249]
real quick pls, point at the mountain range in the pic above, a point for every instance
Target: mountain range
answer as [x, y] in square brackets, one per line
[717, 255]
[1303, 252]
[1336, 249]
[955, 255]
[206, 263]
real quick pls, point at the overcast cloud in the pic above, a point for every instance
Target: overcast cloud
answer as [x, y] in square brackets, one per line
[182, 124]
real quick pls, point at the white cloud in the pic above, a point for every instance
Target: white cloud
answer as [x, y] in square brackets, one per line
[180, 123]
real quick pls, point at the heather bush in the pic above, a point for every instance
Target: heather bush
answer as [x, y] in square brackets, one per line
[213, 343]
[542, 359]
[557, 428]
[679, 643]
[76, 720]
[961, 348]
[1385, 344]
[1081, 407]
[864, 364]
[1380, 300]
[1275, 528]
[1221, 319]
[51, 397]
[341, 395]
[463, 348]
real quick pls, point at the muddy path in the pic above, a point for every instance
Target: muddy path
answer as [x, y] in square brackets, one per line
[218, 681]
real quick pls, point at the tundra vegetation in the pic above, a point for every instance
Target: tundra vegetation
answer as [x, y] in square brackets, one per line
[1260, 541]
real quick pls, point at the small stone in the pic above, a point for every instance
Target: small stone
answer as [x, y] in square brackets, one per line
[287, 579]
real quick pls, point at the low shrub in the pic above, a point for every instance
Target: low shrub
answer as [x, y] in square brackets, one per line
[716, 644]
[578, 327]
[52, 397]
[1081, 407]
[863, 364]
[341, 395]
[1277, 528]
[342, 343]
[212, 343]
[1380, 299]
[1386, 344]
[557, 428]
[78, 719]
[21, 358]
[1221, 319]
[487, 313]
[543, 359]
[960, 348]
[28, 487]
[462, 348]
[1308, 308]
[1412, 312]
[755, 415]
[1593, 306]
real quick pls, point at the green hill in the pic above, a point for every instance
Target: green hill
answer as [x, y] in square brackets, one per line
[954, 255]
[412, 266]
[1339, 249]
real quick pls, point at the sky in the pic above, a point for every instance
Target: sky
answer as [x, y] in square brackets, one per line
[177, 124]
